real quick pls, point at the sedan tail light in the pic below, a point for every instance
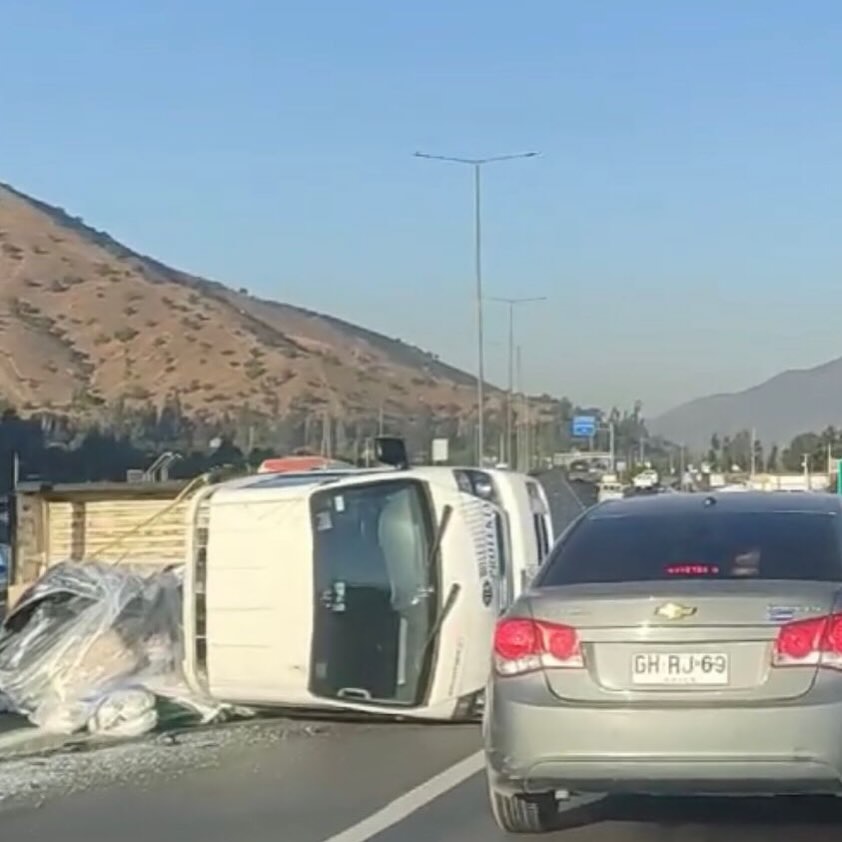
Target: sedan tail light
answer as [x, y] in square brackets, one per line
[816, 641]
[525, 645]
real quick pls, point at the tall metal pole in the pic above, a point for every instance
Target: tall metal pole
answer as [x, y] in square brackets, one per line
[476, 164]
[512, 303]
[480, 332]
[753, 457]
[681, 467]
[510, 402]
[521, 414]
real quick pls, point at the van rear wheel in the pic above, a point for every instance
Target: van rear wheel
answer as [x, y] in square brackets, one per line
[524, 813]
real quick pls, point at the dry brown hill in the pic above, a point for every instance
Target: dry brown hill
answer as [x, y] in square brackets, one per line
[85, 320]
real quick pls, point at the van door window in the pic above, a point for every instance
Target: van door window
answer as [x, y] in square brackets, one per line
[541, 537]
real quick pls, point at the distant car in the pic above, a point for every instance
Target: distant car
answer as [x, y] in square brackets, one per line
[610, 491]
[673, 644]
[646, 479]
[645, 491]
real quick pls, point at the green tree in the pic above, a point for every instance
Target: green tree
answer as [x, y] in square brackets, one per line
[805, 444]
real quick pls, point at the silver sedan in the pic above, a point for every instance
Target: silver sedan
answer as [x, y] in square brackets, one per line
[677, 644]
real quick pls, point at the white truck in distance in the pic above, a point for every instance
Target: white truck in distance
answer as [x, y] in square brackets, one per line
[647, 478]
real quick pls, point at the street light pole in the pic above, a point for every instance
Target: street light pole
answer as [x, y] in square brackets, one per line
[512, 303]
[681, 469]
[480, 320]
[521, 414]
[477, 164]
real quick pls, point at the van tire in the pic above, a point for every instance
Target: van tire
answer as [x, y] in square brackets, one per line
[524, 813]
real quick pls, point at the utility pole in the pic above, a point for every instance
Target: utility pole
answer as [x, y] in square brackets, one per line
[753, 455]
[519, 425]
[523, 418]
[327, 435]
[476, 165]
[512, 303]
[681, 467]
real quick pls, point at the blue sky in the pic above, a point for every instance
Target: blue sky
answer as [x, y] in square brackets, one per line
[684, 219]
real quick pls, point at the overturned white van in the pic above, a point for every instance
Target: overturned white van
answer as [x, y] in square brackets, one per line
[367, 591]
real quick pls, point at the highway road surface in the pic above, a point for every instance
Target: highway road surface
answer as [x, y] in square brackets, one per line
[277, 782]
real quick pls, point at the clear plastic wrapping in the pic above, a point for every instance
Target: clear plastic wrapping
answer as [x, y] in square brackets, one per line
[92, 646]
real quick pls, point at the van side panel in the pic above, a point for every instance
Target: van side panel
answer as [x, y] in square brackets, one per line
[469, 559]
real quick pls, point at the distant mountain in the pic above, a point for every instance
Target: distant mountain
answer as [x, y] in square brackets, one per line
[798, 401]
[85, 321]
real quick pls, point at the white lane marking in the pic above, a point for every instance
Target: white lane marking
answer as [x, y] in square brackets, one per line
[411, 801]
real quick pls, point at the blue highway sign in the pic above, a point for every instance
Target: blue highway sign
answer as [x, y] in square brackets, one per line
[584, 426]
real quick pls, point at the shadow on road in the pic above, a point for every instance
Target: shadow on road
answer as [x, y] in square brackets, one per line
[704, 811]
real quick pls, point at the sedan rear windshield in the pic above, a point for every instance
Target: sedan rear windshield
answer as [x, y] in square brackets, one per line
[753, 545]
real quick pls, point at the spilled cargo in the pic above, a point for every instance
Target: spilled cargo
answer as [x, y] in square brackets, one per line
[97, 648]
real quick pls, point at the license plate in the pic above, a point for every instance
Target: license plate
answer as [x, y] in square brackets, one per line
[708, 669]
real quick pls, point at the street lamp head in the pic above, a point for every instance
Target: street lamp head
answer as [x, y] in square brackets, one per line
[515, 156]
[475, 162]
[515, 301]
[449, 158]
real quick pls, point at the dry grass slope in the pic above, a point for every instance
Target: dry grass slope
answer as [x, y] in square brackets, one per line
[85, 320]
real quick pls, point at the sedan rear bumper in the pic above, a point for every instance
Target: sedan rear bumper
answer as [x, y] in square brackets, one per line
[750, 750]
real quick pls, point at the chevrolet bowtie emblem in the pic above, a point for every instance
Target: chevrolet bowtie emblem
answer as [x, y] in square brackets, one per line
[674, 611]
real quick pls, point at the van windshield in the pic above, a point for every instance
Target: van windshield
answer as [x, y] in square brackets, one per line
[753, 545]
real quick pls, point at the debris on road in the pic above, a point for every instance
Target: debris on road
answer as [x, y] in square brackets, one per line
[98, 648]
[38, 777]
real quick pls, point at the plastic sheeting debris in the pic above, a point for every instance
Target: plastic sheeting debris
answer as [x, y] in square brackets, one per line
[125, 713]
[95, 647]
